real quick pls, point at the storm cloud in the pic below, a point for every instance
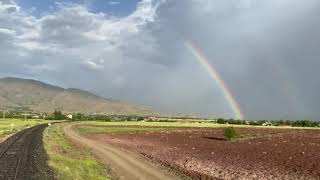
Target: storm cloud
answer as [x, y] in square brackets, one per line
[267, 52]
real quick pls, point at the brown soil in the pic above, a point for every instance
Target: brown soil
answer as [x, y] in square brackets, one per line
[123, 164]
[204, 154]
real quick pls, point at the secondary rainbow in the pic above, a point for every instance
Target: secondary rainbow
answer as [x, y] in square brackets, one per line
[214, 74]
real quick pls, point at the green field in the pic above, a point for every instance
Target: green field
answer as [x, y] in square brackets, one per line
[68, 160]
[115, 130]
[158, 124]
[10, 126]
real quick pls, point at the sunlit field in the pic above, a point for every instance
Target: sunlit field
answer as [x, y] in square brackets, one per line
[10, 126]
[181, 124]
[116, 130]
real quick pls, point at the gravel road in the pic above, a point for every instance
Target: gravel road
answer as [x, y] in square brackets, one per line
[125, 165]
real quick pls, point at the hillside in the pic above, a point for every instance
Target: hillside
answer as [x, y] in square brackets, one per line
[25, 94]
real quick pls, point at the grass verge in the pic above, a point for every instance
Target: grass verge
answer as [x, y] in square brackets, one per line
[68, 160]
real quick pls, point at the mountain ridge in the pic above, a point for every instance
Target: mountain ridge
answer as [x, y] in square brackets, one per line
[37, 96]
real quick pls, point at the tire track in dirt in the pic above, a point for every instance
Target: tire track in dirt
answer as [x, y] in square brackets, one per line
[125, 165]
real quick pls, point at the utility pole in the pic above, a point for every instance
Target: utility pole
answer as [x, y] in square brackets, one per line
[4, 114]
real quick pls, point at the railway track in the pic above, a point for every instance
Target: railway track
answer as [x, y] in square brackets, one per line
[14, 154]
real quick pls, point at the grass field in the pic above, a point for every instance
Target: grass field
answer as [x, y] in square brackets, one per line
[68, 160]
[115, 130]
[10, 126]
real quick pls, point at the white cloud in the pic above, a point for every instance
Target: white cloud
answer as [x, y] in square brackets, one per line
[7, 31]
[68, 38]
[114, 2]
[71, 32]
[93, 65]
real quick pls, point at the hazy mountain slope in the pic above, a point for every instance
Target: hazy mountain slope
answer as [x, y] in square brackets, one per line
[38, 96]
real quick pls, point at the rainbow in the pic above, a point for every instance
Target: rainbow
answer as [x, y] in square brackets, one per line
[214, 74]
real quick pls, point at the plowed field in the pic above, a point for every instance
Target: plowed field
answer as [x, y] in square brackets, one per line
[204, 154]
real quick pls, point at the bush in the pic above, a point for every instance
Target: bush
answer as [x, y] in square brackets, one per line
[230, 133]
[220, 121]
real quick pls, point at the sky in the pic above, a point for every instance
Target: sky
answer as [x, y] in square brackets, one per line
[265, 52]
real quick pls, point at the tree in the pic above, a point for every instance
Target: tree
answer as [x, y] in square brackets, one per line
[140, 118]
[57, 115]
[78, 117]
[220, 121]
[305, 123]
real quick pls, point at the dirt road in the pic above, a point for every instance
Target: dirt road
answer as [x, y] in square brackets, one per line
[124, 164]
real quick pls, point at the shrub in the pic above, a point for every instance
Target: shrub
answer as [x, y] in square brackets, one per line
[230, 133]
[220, 121]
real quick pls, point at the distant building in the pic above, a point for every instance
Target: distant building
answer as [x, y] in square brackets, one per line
[152, 118]
[69, 116]
[267, 124]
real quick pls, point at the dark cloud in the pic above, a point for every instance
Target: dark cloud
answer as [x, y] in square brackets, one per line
[267, 52]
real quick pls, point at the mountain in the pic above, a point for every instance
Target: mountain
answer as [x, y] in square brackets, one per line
[32, 95]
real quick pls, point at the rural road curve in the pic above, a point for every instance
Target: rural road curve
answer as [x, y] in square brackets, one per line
[124, 164]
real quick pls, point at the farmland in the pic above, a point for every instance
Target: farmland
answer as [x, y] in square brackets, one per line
[165, 150]
[200, 150]
[10, 126]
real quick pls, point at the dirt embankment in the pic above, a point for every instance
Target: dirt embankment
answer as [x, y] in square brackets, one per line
[203, 154]
[124, 164]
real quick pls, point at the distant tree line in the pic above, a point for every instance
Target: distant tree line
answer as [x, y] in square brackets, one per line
[305, 123]
[297, 123]
[17, 115]
[107, 118]
[59, 115]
